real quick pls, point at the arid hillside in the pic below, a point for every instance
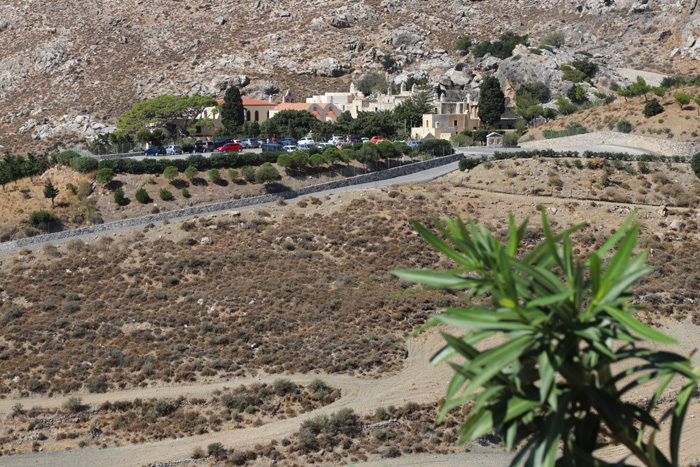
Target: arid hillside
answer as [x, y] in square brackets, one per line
[69, 69]
[673, 123]
[300, 290]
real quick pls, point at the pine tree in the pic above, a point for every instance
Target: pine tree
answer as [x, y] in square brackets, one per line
[232, 109]
[492, 101]
[50, 191]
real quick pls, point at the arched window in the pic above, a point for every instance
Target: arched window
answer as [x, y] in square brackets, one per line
[257, 116]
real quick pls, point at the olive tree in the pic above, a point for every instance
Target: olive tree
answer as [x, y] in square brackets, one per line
[557, 383]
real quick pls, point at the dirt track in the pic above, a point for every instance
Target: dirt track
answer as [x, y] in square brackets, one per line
[418, 381]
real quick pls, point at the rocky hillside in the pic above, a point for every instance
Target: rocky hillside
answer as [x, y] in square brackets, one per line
[69, 69]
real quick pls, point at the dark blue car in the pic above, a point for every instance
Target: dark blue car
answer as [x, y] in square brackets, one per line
[288, 142]
[154, 151]
[272, 147]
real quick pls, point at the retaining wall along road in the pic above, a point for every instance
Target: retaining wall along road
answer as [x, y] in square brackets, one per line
[657, 145]
[233, 204]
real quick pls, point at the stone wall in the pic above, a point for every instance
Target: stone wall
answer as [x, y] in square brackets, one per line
[657, 145]
[233, 204]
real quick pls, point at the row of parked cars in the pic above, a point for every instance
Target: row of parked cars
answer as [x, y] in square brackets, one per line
[304, 144]
[286, 144]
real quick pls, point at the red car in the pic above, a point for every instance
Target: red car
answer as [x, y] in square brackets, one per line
[230, 147]
[376, 139]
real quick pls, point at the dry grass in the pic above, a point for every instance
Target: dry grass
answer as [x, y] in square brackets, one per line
[674, 124]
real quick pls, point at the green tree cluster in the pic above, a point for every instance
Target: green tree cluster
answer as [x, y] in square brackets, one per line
[410, 111]
[554, 39]
[13, 168]
[174, 113]
[232, 110]
[50, 191]
[463, 44]
[372, 82]
[492, 101]
[501, 48]
[682, 98]
[653, 107]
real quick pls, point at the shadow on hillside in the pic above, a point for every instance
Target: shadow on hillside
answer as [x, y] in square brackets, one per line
[179, 183]
[114, 185]
[276, 187]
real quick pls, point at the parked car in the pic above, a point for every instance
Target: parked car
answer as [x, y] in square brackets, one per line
[220, 142]
[188, 148]
[207, 146]
[364, 140]
[326, 145]
[230, 147]
[355, 139]
[250, 143]
[173, 149]
[273, 147]
[376, 139]
[415, 143]
[307, 140]
[305, 146]
[289, 141]
[290, 148]
[155, 151]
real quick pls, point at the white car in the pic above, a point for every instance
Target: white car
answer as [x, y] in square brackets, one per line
[290, 148]
[173, 149]
[307, 141]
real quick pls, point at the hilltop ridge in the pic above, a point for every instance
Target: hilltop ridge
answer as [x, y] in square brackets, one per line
[81, 65]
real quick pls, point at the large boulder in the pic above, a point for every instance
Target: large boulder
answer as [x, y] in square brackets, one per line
[330, 67]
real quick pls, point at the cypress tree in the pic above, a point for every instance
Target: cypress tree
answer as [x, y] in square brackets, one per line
[50, 191]
[492, 101]
[232, 109]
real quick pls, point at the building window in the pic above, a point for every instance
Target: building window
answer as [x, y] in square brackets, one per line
[257, 116]
[268, 114]
[426, 124]
[455, 124]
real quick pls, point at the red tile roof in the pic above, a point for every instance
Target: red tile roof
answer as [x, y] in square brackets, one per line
[331, 114]
[316, 114]
[295, 106]
[253, 102]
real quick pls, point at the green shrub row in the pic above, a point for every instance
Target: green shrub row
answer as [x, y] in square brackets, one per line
[201, 163]
[470, 163]
[575, 129]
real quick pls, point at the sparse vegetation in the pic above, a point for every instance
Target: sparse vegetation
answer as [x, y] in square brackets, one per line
[142, 196]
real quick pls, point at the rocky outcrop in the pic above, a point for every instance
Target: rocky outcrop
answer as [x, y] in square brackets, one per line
[102, 62]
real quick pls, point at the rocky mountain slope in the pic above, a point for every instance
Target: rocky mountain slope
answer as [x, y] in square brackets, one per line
[69, 69]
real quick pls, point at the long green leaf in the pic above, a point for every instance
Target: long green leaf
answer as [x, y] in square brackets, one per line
[682, 401]
[638, 327]
[432, 278]
[600, 252]
[492, 361]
